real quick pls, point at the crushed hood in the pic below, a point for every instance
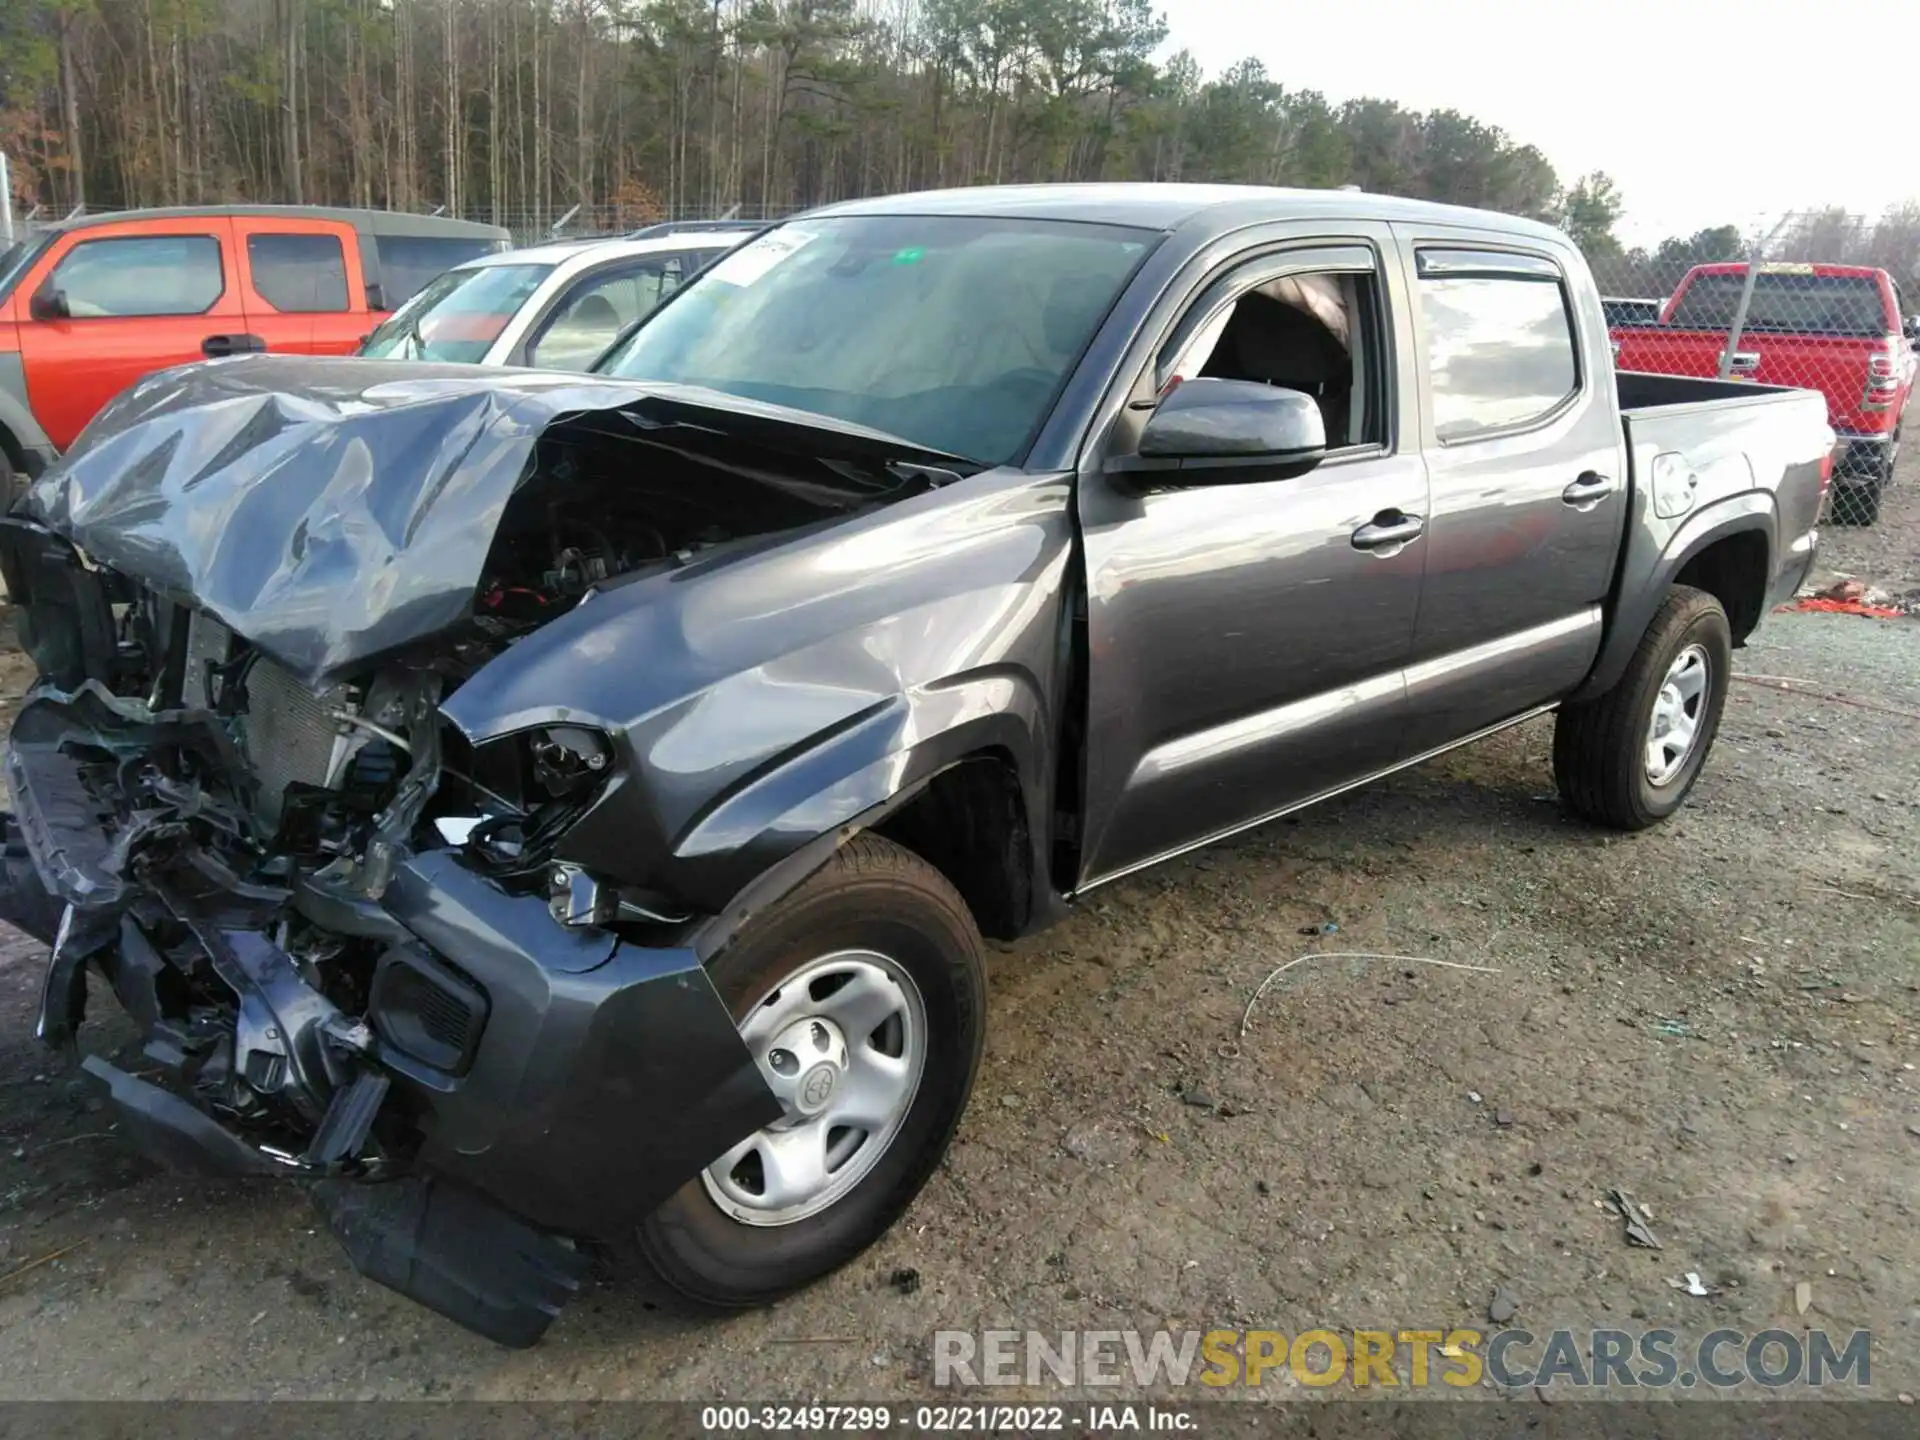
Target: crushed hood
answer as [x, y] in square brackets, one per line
[336, 510]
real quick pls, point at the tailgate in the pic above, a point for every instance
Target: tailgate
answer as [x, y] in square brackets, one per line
[1668, 352]
[1835, 365]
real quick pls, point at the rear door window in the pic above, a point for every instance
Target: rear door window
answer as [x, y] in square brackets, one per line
[299, 274]
[408, 262]
[595, 310]
[141, 275]
[1500, 346]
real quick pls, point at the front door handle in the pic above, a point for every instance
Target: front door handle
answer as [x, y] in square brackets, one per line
[1388, 533]
[1588, 491]
[214, 346]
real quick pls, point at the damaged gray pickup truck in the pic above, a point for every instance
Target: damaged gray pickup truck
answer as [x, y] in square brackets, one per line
[541, 811]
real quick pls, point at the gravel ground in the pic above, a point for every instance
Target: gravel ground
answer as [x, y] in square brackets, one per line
[1721, 1016]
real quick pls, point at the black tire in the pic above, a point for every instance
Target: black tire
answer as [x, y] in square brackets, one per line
[1858, 505]
[1855, 497]
[873, 895]
[1599, 745]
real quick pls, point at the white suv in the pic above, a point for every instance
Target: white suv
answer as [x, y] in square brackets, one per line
[556, 306]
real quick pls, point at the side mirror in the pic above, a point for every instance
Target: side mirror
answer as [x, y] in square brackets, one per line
[1911, 328]
[49, 303]
[1214, 432]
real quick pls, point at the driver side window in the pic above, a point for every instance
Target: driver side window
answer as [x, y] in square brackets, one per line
[1312, 331]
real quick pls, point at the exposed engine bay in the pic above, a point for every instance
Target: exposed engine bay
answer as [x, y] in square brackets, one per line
[226, 796]
[313, 893]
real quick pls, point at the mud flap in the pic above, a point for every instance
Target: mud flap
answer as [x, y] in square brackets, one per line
[454, 1252]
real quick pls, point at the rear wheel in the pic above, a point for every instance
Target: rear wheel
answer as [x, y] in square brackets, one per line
[1857, 504]
[1856, 492]
[1627, 759]
[863, 1000]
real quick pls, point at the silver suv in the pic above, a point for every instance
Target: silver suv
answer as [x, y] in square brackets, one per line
[556, 306]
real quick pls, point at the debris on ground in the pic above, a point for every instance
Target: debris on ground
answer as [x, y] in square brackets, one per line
[906, 1280]
[1246, 1019]
[1503, 1307]
[1638, 1218]
[1677, 1029]
[1802, 1297]
[1875, 896]
[1693, 1285]
[1199, 1099]
[1851, 597]
[48, 1258]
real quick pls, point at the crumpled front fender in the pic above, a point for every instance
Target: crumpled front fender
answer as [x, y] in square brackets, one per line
[757, 701]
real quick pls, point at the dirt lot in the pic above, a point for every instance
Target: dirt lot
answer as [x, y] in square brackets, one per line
[1722, 1017]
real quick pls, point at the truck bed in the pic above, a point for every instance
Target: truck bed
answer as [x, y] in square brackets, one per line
[1726, 446]
[1733, 438]
[1641, 390]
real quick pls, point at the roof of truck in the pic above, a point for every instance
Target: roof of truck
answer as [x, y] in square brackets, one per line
[1155, 206]
[379, 222]
[1793, 267]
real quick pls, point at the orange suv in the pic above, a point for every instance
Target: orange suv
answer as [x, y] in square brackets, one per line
[89, 306]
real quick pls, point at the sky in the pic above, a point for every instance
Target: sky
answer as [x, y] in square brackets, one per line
[1705, 112]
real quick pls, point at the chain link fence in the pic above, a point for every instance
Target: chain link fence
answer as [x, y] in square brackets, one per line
[1820, 300]
[1823, 302]
[580, 222]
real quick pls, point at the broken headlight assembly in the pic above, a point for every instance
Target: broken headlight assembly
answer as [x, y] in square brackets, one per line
[537, 783]
[568, 760]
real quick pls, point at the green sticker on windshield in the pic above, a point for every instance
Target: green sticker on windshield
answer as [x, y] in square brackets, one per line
[912, 255]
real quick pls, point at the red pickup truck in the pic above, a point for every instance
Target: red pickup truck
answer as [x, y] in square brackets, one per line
[90, 305]
[1832, 328]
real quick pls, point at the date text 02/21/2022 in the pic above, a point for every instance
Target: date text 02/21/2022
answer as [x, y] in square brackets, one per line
[943, 1419]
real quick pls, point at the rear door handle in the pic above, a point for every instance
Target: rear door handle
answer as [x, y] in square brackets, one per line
[1588, 491]
[1388, 533]
[214, 346]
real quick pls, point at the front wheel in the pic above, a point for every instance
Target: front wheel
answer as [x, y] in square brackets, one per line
[863, 1001]
[1627, 759]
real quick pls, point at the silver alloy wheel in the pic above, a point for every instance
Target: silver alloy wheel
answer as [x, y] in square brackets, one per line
[1677, 713]
[842, 1042]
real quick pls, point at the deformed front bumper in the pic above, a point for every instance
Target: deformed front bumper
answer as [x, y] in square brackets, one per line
[602, 1075]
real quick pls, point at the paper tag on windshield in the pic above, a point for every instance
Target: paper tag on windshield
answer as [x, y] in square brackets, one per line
[754, 259]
